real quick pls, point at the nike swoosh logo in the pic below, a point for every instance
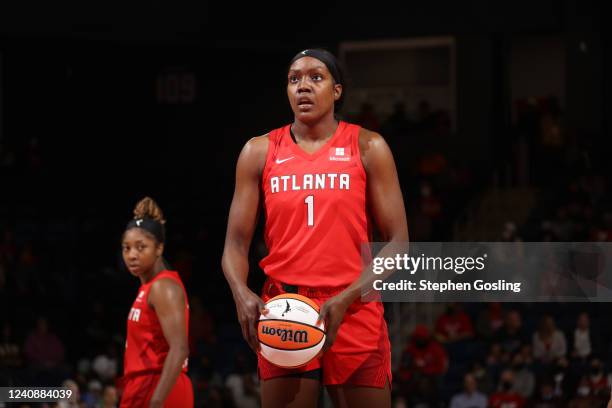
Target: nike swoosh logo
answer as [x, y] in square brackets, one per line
[284, 160]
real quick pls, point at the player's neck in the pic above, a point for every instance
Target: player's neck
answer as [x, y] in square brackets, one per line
[152, 273]
[312, 132]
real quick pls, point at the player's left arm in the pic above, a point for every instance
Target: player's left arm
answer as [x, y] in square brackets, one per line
[168, 299]
[386, 205]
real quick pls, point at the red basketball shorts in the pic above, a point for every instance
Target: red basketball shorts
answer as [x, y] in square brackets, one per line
[361, 353]
[138, 391]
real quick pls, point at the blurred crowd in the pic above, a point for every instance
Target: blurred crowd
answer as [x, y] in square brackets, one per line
[508, 355]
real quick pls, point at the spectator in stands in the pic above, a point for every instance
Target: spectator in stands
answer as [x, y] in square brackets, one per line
[490, 320]
[470, 397]
[43, 348]
[105, 365]
[512, 336]
[44, 352]
[546, 397]
[584, 341]
[109, 397]
[548, 342]
[524, 378]
[526, 354]
[242, 384]
[598, 382]
[483, 378]
[496, 361]
[584, 397]
[422, 366]
[75, 398]
[93, 396]
[454, 325]
[506, 397]
[562, 377]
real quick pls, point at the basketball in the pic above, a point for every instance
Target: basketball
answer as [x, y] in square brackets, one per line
[289, 335]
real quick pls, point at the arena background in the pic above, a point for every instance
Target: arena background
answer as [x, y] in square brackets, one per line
[503, 137]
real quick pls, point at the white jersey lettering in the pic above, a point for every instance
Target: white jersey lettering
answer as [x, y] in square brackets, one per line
[319, 181]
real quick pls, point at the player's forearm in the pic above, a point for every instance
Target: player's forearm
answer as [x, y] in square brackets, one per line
[171, 371]
[235, 265]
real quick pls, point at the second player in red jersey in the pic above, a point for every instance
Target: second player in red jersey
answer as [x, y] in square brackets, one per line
[318, 179]
[155, 363]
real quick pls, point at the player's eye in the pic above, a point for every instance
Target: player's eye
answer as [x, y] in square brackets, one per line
[293, 79]
[317, 77]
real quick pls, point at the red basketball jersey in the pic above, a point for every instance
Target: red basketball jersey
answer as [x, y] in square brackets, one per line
[315, 207]
[146, 347]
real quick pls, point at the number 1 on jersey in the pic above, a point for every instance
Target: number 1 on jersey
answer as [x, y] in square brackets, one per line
[309, 201]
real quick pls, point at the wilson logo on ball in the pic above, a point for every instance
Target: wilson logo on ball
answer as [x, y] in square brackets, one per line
[296, 336]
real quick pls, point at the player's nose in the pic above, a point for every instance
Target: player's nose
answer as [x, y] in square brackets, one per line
[132, 254]
[304, 85]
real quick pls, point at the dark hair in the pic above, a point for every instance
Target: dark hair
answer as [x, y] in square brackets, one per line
[147, 207]
[149, 217]
[333, 66]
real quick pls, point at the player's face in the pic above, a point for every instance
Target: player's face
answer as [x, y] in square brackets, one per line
[311, 89]
[140, 251]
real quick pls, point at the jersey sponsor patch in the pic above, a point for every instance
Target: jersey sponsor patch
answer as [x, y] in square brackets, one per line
[340, 153]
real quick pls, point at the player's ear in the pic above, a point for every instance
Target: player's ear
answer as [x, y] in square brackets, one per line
[337, 91]
[160, 249]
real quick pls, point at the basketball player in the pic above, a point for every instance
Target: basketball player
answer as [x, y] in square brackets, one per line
[318, 178]
[156, 348]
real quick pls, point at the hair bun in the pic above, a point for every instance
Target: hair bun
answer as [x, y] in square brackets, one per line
[147, 207]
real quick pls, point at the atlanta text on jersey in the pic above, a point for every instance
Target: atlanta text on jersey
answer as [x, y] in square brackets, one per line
[317, 181]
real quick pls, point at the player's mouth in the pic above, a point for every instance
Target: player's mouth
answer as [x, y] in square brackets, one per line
[304, 103]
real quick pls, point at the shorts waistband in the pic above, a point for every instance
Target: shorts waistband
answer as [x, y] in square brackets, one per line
[308, 291]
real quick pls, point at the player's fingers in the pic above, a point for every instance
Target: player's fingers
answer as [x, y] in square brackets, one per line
[329, 341]
[253, 340]
[322, 314]
[261, 307]
[330, 336]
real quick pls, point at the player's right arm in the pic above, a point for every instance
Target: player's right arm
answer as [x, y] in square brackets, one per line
[240, 228]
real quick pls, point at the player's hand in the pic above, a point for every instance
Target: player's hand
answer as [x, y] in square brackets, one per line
[249, 307]
[332, 312]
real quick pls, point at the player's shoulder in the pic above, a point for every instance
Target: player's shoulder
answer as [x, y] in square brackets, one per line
[257, 144]
[254, 152]
[369, 138]
[371, 144]
[165, 287]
